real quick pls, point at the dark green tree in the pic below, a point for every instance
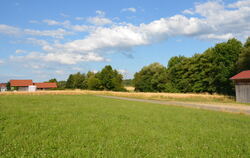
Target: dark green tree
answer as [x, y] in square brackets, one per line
[244, 57]
[152, 78]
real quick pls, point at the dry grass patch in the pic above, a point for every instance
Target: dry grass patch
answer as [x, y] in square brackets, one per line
[187, 97]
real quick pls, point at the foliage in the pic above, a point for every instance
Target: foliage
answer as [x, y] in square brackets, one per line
[76, 81]
[152, 78]
[61, 85]
[106, 79]
[206, 72]
[128, 82]
[90, 126]
[110, 79]
[244, 58]
[94, 83]
[8, 86]
[54, 80]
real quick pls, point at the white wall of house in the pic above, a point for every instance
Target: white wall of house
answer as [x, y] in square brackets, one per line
[3, 89]
[27, 89]
[32, 88]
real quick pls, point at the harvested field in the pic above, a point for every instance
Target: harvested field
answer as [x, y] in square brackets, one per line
[188, 97]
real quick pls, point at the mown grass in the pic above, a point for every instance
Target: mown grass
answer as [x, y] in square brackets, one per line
[90, 126]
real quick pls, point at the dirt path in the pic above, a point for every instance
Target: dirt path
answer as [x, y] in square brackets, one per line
[222, 108]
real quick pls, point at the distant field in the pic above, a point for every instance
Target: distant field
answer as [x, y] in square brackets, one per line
[184, 97]
[90, 126]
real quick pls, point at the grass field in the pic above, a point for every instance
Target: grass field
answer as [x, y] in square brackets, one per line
[90, 126]
[183, 97]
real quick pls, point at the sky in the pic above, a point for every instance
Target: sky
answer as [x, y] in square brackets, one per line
[46, 39]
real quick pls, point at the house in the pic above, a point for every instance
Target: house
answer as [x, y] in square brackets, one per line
[3, 87]
[45, 86]
[28, 85]
[21, 85]
[242, 86]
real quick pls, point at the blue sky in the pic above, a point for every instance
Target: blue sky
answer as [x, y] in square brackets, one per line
[46, 39]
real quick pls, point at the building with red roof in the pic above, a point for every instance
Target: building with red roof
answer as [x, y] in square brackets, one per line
[29, 85]
[3, 87]
[242, 86]
[21, 83]
[44, 86]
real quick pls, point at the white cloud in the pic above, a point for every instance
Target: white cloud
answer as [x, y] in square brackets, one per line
[100, 13]
[99, 21]
[59, 33]
[67, 24]
[238, 4]
[59, 72]
[64, 15]
[188, 11]
[79, 18]
[133, 10]
[19, 51]
[211, 21]
[77, 69]
[217, 37]
[9, 30]
[123, 72]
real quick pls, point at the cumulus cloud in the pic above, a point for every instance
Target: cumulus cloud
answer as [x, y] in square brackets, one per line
[133, 10]
[212, 20]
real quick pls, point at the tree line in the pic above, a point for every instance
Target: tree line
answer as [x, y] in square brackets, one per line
[206, 72]
[106, 79]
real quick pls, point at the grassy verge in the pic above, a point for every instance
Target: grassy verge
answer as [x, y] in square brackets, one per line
[89, 126]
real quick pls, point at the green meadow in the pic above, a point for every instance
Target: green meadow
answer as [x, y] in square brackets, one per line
[90, 126]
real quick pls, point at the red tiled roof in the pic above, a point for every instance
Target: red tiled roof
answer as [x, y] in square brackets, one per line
[242, 75]
[46, 85]
[21, 83]
[3, 84]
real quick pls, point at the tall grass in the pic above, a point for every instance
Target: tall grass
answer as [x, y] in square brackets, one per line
[191, 97]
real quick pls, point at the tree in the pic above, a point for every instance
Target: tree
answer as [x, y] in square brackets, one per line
[61, 84]
[152, 78]
[94, 83]
[53, 80]
[110, 79]
[225, 56]
[77, 80]
[70, 82]
[244, 57]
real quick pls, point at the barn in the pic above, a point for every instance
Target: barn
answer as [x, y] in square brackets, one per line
[242, 86]
[45, 86]
[28, 85]
[21, 85]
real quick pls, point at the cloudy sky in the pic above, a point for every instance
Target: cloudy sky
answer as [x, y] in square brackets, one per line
[46, 39]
